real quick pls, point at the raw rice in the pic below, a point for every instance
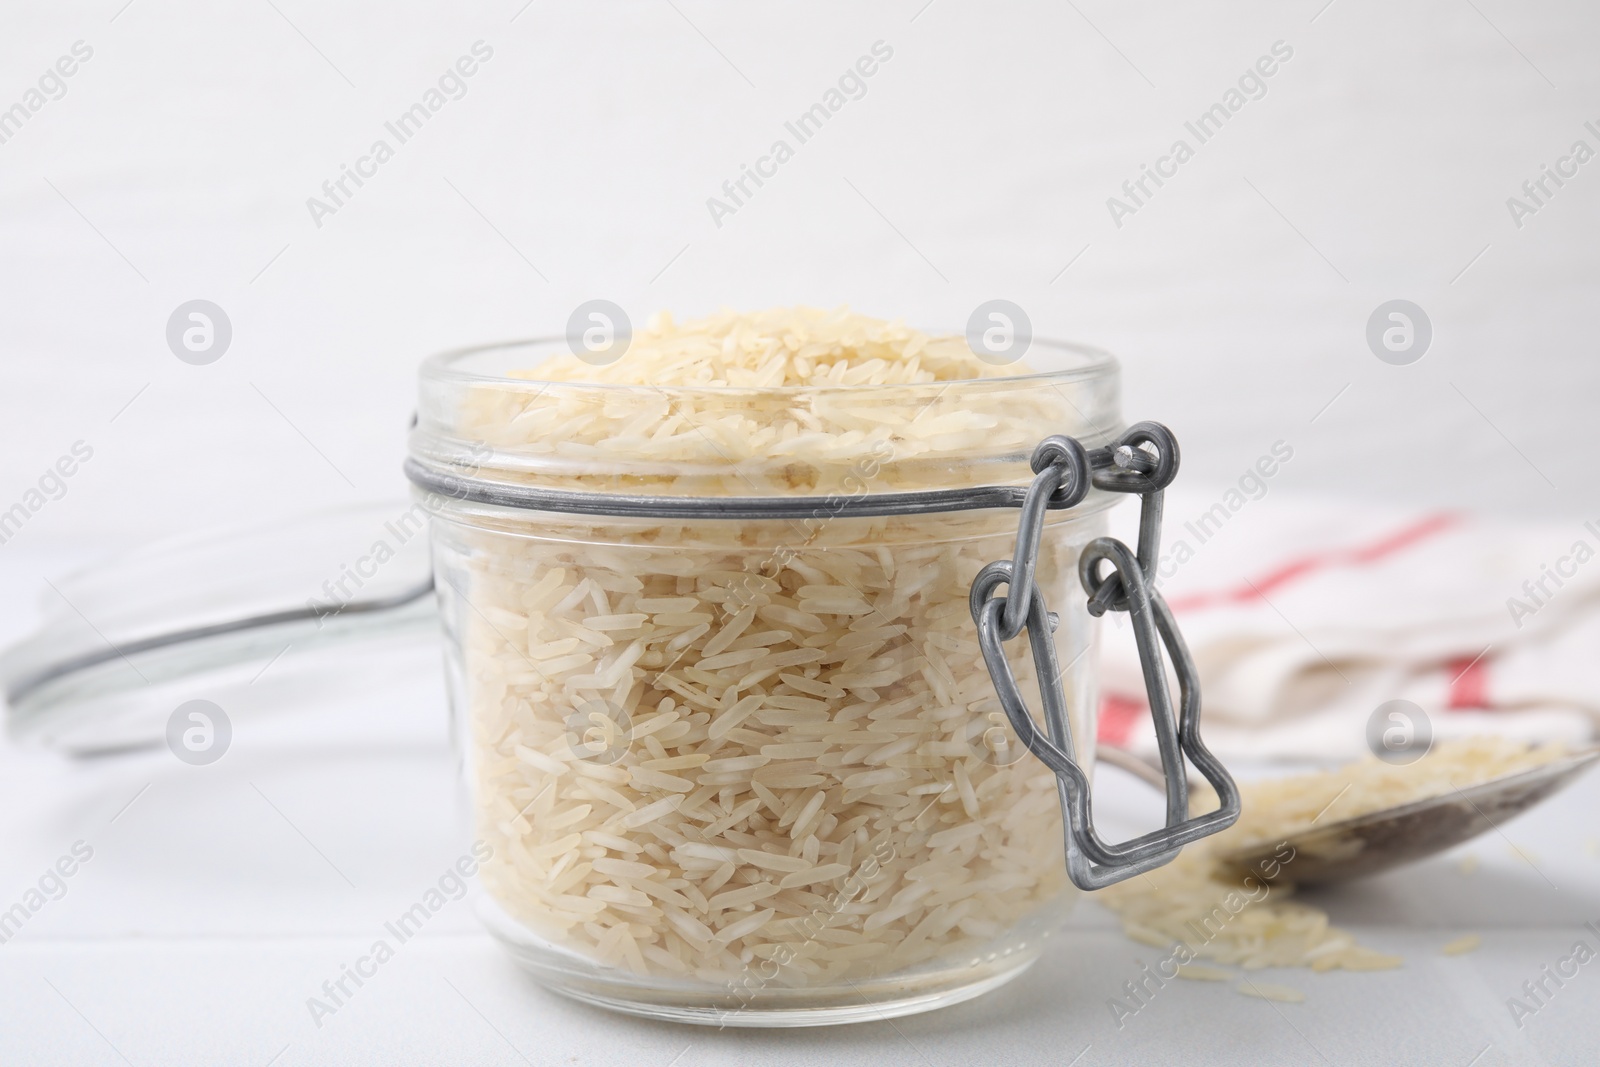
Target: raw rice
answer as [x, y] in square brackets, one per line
[1266, 991]
[701, 744]
[1241, 920]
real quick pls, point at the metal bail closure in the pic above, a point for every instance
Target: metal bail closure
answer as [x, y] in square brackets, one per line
[1143, 461]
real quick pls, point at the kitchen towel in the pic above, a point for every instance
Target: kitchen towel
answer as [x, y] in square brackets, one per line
[1305, 617]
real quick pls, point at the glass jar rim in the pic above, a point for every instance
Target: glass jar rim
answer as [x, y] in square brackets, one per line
[477, 434]
[445, 368]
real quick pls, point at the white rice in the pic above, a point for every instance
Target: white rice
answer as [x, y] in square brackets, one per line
[1198, 901]
[795, 777]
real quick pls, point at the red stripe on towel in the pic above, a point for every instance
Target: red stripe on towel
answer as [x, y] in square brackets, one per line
[1362, 555]
[1470, 690]
[1117, 717]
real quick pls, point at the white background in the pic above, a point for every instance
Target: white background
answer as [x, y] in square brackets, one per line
[1383, 152]
[178, 164]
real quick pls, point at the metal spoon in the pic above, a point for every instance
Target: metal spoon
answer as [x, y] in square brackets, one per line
[1389, 837]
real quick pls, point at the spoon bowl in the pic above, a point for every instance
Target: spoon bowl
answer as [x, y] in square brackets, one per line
[1368, 844]
[1389, 837]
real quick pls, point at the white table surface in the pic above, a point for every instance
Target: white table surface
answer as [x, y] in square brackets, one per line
[219, 898]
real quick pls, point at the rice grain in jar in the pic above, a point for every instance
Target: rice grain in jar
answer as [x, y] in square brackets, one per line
[739, 763]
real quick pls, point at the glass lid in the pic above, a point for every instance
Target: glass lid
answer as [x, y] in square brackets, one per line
[123, 643]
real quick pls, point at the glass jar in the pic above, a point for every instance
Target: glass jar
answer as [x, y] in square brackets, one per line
[736, 763]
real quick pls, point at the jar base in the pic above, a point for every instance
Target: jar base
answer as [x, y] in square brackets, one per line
[754, 1004]
[781, 1017]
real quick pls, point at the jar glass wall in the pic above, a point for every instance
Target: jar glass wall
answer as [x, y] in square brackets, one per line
[754, 771]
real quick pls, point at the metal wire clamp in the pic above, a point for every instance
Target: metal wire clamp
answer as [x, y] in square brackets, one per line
[1144, 461]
